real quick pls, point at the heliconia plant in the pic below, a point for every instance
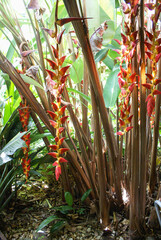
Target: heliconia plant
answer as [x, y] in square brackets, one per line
[116, 167]
[56, 80]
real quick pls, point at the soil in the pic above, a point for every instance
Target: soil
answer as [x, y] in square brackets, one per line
[35, 202]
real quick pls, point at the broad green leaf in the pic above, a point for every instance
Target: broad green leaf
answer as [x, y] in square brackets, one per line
[76, 71]
[111, 89]
[117, 4]
[69, 198]
[85, 195]
[101, 54]
[47, 221]
[80, 93]
[64, 209]
[108, 62]
[57, 227]
[39, 136]
[11, 147]
[31, 81]
[11, 50]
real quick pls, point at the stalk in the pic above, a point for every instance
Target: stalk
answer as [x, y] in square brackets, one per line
[81, 32]
[142, 130]
[103, 202]
[153, 174]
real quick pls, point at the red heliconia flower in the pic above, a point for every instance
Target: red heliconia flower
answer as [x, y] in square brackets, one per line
[121, 82]
[122, 114]
[157, 57]
[52, 64]
[123, 72]
[158, 48]
[60, 141]
[53, 123]
[150, 104]
[61, 159]
[55, 106]
[157, 81]
[63, 150]
[64, 78]
[57, 170]
[156, 92]
[61, 129]
[128, 109]
[56, 139]
[122, 123]
[61, 110]
[125, 39]
[60, 89]
[128, 129]
[147, 85]
[63, 119]
[149, 35]
[61, 60]
[132, 77]
[120, 133]
[128, 120]
[54, 147]
[59, 37]
[149, 76]
[63, 70]
[149, 54]
[133, 36]
[131, 87]
[158, 41]
[55, 52]
[53, 115]
[53, 154]
[52, 74]
[149, 45]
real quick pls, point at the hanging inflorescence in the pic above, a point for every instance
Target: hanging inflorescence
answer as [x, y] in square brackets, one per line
[153, 52]
[127, 79]
[24, 113]
[56, 78]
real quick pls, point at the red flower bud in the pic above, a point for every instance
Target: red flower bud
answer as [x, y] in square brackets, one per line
[53, 65]
[53, 115]
[53, 154]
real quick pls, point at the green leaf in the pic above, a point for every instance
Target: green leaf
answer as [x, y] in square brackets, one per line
[69, 198]
[76, 71]
[85, 195]
[111, 89]
[47, 221]
[108, 62]
[64, 209]
[80, 93]
[11, 51]
[30, 81]
[101, 54]
[117, 4]
[57, 227]
[39, 136]
[11, 147]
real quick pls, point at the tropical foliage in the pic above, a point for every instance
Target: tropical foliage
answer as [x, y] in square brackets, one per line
[87, 90]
